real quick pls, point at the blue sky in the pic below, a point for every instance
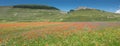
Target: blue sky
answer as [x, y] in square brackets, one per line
[65, 5]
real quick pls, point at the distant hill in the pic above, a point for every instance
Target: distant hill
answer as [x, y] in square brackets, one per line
[11, 14]
[91, 14]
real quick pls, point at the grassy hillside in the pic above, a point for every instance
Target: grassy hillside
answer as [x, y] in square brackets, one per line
[91, 15]
[10, 14]
[19, 14]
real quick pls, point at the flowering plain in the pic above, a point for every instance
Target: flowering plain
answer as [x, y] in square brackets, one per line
[60, 34]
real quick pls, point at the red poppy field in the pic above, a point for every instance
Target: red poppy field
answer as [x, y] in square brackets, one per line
[60, 34]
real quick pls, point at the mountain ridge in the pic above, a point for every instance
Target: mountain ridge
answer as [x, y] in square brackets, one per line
[8, 13]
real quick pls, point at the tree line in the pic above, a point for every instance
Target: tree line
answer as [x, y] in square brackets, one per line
[35, 7]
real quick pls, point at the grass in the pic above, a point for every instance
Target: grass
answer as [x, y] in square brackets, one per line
[38, 27]
[55, 35]
[91, 16]
[8, 14]
[29, 15]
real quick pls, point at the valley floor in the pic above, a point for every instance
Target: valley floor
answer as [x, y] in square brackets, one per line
[60, 34]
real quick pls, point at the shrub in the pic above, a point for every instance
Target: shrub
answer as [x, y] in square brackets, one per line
[35, 6]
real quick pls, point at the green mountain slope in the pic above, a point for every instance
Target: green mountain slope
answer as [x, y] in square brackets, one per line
[20, 14]
[10, 14]
[91, 15]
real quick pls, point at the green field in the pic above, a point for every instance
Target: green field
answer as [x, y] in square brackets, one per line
[53, 34]
[48, 27]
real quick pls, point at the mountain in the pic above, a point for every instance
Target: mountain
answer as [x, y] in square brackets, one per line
[12, 14]
[91, 14]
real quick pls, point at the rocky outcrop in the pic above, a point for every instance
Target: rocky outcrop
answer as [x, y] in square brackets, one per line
[79, 8]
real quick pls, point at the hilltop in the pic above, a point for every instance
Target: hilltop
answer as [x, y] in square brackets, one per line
[91, 14]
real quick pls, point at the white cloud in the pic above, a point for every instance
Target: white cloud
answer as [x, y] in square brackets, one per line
[118, 11]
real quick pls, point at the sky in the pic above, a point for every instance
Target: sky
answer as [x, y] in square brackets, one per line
[66, 5]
